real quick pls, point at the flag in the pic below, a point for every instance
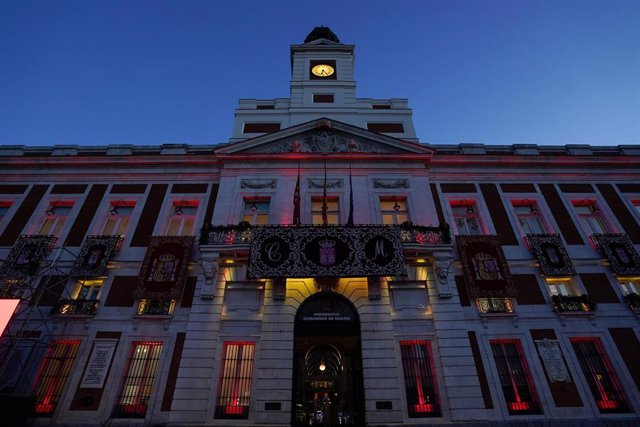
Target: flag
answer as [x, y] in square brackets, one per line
[324, 197]
[350, 219]
[296, 201]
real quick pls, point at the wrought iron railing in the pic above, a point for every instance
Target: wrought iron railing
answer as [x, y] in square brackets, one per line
[634, 301]
[494, 305]
[69, 307]
[569, 303]
[156, 307]
[242, 233]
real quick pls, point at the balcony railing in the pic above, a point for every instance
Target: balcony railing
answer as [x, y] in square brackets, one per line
[71, 307]
[155, 307]
[494, 305]
[572, 303]
[242, 233]
[634, 301]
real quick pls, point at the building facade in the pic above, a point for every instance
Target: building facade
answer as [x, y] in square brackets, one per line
[321, 268]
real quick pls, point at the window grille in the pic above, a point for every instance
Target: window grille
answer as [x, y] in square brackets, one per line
[53, 374]
[515, 378]
[419, 378]
[602, 379]
[236, 372]
[138, 383]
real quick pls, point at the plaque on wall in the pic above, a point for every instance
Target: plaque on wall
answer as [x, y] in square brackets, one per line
[551, 255]
[551, 355]
[620, 252]
[334, 251]
[485, 268]
[98, 365]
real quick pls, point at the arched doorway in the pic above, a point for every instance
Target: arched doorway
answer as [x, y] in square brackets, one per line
[327, 380]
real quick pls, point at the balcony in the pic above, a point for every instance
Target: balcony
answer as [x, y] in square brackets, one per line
[634, 301]
[572, 303]
[150, 307]
[494, 305]
[241, 234]
[76, 307]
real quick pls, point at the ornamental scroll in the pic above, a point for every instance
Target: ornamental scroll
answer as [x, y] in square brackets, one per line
[164, 268]
[94, 255]
[551, 255]
[485, 268]
[619, 250]
[310, 251]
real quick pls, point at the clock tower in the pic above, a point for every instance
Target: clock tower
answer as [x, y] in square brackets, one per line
[322, 85]
[322, 72]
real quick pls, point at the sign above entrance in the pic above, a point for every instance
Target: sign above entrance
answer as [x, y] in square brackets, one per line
[310, 251]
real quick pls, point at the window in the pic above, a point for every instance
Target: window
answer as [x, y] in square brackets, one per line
[590, 217]
[466, 218]
[385, 127]
[256, 211]
[4, 208]
[528, 218]
[635, 203]
[515, 378]
[232, 271]
[138, 382]
[55, 218]
[631, 291]
[84, 299]
[236, 372]
[419, 379]
[565, 297]
[322, 98]
[182, 218]
[118, 220]
[602, 379]
[333, 210]
[53, 374]
[394, 210]
[261, 127]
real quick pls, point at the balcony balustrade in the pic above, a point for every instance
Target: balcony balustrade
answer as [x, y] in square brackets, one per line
[71, 307]
[155, 307]
[634, 301]
[572, 303]
[494, 305]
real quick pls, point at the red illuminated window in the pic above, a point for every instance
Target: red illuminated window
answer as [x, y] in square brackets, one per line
[602, 379]
[234, 392]
[138, 382]
[53, 374]
[515, 378]
[419, 379]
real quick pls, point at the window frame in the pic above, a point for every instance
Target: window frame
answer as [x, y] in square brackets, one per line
[420, 380]
[595, 215]
[535, 212]
[467, 203]
[400, 199]
[143, 392]
[517, 406]
[60, 221]
[54, 372]
[184, 206]
[330, 211]
[593, 379]
[246, 212]
[229, 386]
[119, 229]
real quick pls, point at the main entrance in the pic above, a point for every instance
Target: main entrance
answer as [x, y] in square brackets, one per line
[327, 382]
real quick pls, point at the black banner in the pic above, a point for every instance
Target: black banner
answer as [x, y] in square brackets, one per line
[326, 252]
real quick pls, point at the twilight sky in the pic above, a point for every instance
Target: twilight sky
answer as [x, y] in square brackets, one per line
[98, 72]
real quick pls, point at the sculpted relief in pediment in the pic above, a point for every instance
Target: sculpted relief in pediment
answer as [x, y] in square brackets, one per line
[324, 141]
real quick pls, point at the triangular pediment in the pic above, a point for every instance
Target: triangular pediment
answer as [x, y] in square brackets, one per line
[324, 136]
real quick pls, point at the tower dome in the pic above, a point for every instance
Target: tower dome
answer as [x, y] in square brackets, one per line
[321, 32]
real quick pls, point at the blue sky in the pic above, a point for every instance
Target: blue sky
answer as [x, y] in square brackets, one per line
[153, 72]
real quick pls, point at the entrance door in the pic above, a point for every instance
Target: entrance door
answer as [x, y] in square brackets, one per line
[327, 382]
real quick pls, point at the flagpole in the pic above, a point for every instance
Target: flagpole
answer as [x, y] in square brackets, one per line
[296, 200]
[325, 220]
[350, 219]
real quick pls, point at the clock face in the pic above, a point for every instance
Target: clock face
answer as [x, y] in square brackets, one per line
[323, 70]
